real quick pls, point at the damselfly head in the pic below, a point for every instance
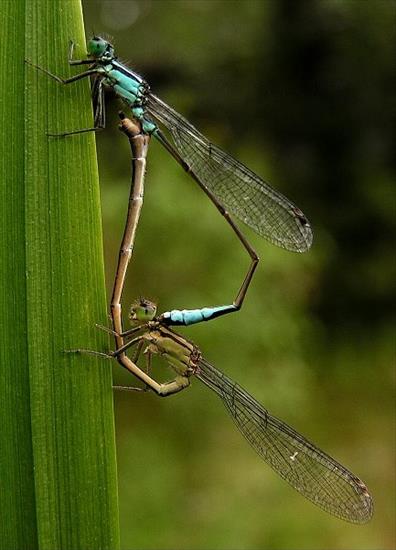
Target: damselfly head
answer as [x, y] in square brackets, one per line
[99, 48]
[142, 311]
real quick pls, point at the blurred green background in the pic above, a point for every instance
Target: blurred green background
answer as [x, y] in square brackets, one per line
[302, 93]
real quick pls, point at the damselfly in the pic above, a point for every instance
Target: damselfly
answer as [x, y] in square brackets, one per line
[227, 182]
[313, 473]
[309, 470]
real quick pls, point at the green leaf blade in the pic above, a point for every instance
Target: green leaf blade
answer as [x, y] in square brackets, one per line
[59, 467]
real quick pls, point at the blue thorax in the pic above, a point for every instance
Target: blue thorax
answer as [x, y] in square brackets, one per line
[130, 87]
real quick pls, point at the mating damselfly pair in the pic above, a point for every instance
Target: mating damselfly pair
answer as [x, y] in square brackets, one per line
[230, 186]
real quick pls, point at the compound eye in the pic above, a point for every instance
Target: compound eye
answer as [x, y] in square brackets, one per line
[97, 46]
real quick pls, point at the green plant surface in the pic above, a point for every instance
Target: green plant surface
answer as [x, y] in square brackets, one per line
[58, 469]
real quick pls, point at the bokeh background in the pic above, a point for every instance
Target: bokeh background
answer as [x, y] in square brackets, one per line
[302, 93]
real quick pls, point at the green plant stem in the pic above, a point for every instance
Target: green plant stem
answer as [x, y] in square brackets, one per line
[58, 468]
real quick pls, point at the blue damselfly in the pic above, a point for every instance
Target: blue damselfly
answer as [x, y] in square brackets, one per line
[228, 183]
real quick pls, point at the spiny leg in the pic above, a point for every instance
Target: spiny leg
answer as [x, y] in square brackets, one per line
[148, 369]
[131, 388]
[99, 116]
[106, 329]
[137, 353]
[99, 113]
[76, 61]
[106, 355]
[59, 79]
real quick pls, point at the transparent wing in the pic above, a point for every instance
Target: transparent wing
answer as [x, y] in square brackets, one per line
[239, 189]
[312, 472]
